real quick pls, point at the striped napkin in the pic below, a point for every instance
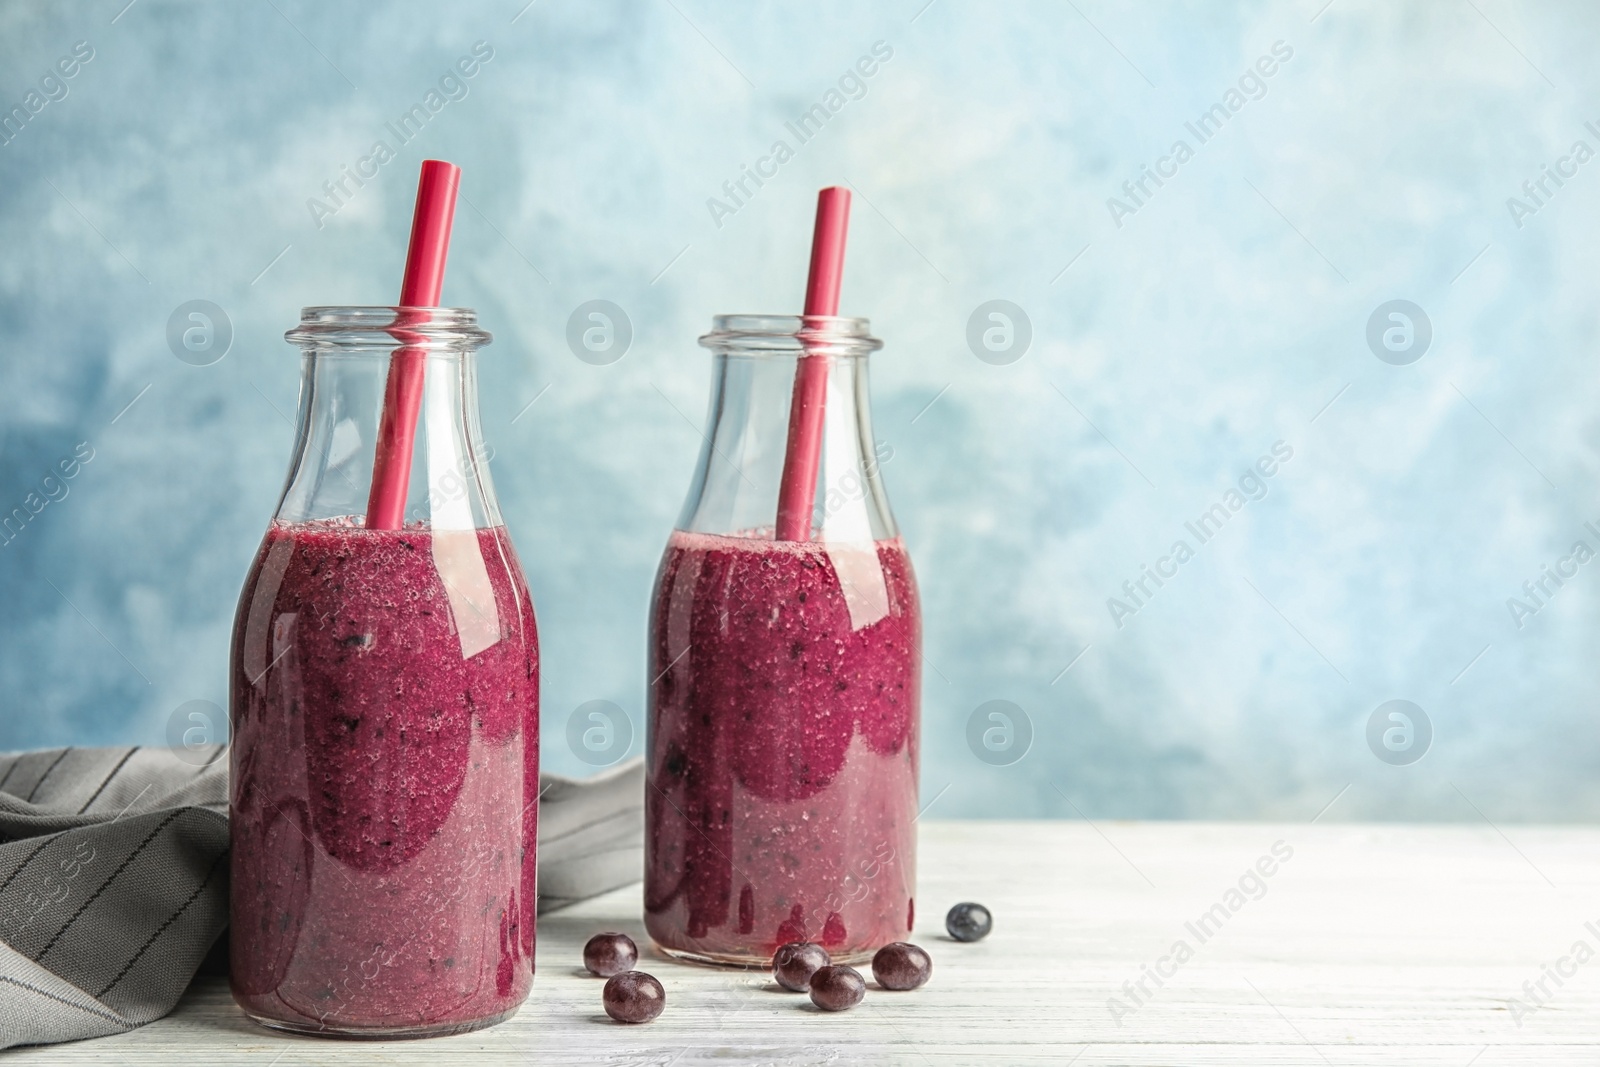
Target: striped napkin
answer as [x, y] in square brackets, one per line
[114, 877]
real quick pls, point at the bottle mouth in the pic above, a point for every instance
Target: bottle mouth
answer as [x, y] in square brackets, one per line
[360, 327]
[790, 335]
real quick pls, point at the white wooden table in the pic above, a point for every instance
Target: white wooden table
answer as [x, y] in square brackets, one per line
[1372, 944]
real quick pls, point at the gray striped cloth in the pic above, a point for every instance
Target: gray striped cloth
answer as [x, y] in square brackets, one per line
[114, 877]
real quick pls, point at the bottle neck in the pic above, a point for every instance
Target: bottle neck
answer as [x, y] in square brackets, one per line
[737, 479]
[342, 383]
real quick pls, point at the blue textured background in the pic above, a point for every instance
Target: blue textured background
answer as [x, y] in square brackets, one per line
[1221, 317]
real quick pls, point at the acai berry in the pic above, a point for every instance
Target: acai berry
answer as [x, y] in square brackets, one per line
[901, 966]
[969, 922]
[795, 963]
[609, 954]
[837, 987]
[634, 997]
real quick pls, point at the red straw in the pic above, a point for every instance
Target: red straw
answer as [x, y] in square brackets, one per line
[798, 490]
[402, 398]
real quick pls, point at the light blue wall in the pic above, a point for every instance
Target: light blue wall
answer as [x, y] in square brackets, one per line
[1224, 314]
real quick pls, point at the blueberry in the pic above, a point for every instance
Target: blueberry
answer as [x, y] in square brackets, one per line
[901, 966]
[634, 997]
[837, 987]
[609, 954]
[969, 922]
[795, 963]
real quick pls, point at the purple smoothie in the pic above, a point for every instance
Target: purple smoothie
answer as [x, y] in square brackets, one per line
[385, 778]
[782, 752]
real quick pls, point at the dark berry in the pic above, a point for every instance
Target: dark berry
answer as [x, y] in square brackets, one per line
[609, 954]
[837, 987]
[969, 922]
[795, 963]
[901, 965]
[634, 997]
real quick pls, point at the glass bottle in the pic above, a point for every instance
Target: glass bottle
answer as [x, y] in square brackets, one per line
[385, 712]
[784, 697]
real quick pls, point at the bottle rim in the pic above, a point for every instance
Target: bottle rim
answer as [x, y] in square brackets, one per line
[790, 335]
[332, 328]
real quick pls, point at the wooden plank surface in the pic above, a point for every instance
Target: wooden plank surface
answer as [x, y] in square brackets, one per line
[1366, 944]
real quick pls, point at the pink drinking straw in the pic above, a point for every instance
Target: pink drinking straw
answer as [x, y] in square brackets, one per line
[798, 489]
[402, 397]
